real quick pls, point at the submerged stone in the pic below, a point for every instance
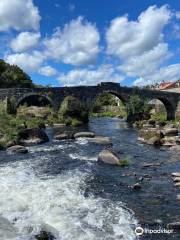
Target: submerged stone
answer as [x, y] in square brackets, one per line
[18, 149]
[33, 136]
[101, 140]
[44, 236]
[174, 225]
[84, 134]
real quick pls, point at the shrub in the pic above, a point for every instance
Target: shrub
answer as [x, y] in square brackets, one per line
[72, 108]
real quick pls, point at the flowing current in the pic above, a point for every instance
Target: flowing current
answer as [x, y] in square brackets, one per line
[59, 187]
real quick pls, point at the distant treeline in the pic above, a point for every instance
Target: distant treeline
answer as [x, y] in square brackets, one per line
[12, 76]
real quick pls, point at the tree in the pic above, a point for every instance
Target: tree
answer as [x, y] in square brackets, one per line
[12, 76]
[136, 108]
[104, 99]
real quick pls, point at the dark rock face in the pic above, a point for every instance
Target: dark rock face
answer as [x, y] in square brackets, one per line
[17, 149]
[44, 236]
[33, 135]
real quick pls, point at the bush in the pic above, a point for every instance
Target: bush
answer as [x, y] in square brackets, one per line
[71, 108]
[137, 109]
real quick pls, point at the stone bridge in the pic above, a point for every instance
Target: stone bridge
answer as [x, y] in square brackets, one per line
[87, 94]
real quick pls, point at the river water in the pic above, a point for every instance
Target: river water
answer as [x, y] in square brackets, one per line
[59, 187]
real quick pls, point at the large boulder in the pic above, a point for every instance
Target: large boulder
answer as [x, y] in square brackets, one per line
[109, 157]
[17, 149]
[32, 136]
[100, 140]
[156, 141]
[170, 132]
[84, 135]
[171, 141]
[147, 134]
[64, 136]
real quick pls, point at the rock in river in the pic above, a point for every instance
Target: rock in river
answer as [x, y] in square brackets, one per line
[44, 236]
[177, 184]
[33, 136]
[64, 136]
[101, 140]
[156, 141]
[170, 132]
[17, 149]
[137, 186]
[84, 134]
[176, 174]
[109, 157]
[174, 225]
[176, 179]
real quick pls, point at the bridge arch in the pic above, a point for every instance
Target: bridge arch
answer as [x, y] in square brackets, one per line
[34, 99]
[112, 104]
[170, 111]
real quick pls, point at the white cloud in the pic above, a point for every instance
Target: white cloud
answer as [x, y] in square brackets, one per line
[104, 73]
[168, 73]
[25, 41]
[18, 15]
[132, 38]
[76, 43]
[146, 63]
[28, 62]
[140, 44]
[48, 71]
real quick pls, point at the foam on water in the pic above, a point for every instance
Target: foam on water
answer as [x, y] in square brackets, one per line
[83, 158]
[57, 204]
[82, 141]
[42, 148]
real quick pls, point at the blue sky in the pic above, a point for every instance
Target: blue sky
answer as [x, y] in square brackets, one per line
[61, 42]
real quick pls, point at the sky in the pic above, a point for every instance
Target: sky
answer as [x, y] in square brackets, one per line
[85, 42]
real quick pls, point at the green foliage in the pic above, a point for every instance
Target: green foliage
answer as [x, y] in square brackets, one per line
[159, 117]
[71, 108]
[137, 106]
[125, 161]
[106, 105]
[13, 76]
[104, 99]
[76, 123]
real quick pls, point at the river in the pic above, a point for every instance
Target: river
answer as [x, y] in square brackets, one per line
[59, 187]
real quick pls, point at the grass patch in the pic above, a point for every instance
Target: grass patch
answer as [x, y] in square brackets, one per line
[125, 161]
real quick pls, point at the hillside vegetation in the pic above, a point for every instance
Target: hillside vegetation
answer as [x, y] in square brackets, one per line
[12, 76]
